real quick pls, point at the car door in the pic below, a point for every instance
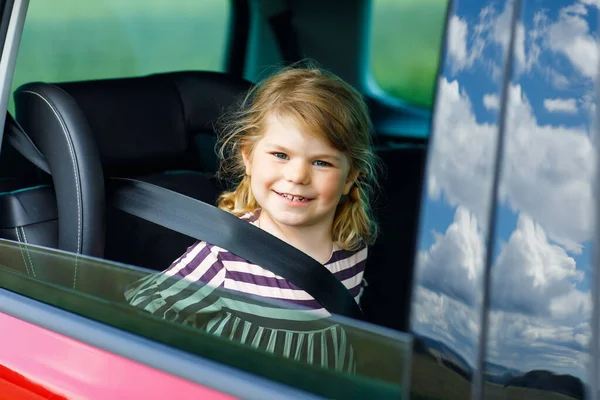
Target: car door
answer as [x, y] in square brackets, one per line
[502, 300]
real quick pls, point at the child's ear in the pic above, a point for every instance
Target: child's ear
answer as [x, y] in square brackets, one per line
[352, 176]
[247, 161]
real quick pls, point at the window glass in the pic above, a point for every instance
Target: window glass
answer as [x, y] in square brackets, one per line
[449, 285]
[68, 40]
[380, 354]
[542, 272]
[406, 38]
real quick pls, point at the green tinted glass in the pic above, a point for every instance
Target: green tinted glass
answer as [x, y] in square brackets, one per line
[406, 40]
[69, 40]
[98, 293]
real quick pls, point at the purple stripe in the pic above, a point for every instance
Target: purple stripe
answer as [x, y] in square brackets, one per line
[281, 284]
[189, 249]
[355, 290]
[352, 271]
[338, 255]
[228, 256]
[259, 280]
[264, 301]
[264, 281]
[313, 304]
[211, 272]
[195, 262]
[343, 254]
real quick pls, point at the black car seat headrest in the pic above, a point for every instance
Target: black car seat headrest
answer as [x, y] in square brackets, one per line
[139, 125]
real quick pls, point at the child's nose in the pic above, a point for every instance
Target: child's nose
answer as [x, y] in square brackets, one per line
[297, 172]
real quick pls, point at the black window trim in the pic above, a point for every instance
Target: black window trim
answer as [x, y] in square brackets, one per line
[11, 29]
[6, 7]
[237, 43]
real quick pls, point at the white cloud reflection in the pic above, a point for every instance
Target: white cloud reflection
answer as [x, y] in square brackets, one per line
[541, 305]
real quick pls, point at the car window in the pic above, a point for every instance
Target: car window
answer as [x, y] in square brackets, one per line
[448, 292]
[69, 40]
[406, 37]
[541, 265]
[98, 293]
[503, 304]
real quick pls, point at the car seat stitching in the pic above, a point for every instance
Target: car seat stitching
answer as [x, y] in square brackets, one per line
[27, 249]
[75, 171]
[21, 248]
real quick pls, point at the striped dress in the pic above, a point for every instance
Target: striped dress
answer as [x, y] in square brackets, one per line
[212, 289]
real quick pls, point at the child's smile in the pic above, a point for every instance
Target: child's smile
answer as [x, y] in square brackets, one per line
[297, 178]
[294, 198]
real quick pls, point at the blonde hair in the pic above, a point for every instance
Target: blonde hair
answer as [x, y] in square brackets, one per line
[322, 103]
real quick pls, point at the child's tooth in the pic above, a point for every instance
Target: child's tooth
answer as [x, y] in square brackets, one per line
[293, 198]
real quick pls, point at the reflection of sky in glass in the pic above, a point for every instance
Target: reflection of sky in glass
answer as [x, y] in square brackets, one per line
[447, 302]
[541, 301]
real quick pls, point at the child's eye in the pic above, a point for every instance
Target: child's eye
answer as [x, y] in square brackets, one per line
[320, 163]
[283, 156]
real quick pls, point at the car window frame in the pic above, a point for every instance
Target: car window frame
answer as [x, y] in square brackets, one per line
[237, 41]
[11, 28]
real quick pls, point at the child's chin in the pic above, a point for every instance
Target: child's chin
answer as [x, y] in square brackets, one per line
[289, 220]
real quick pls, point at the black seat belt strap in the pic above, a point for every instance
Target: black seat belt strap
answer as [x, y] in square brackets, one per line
[23, 144]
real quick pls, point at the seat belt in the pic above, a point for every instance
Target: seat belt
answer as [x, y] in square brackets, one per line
[205, 222]
[18, 139]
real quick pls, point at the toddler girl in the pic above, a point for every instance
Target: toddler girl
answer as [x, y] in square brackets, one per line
[299, 149]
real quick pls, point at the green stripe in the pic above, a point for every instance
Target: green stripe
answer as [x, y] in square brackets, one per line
[245, 332]
[219, 330]
[258, 336]
[336, 350]
[324, 358]
[236, 322]
[272, 341]
[288, 344]
[342, 348]
[311, 348]
[299, 348]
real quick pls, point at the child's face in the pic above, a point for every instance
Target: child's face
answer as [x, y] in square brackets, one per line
[297, 178]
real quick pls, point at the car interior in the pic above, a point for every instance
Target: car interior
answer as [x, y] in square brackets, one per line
[160, 128]
[68, 140]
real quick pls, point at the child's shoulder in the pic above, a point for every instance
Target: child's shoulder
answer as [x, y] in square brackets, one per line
[251, 216]
[340, 253]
